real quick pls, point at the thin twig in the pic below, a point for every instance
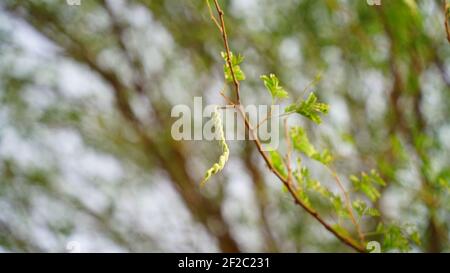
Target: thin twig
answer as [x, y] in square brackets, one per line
[289, 151]
[230, 101]
[266, 118]
[348, 204]
[311, 84]
[211, 14]
[293, 192]
[446, 18]
[227, 49]
[277, 116]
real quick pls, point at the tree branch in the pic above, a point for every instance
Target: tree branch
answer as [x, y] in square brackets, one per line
[348, 241]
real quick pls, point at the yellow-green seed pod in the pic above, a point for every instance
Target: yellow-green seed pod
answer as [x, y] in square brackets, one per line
[217, 167]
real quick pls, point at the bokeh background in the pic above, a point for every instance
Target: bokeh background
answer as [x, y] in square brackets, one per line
[86, 91]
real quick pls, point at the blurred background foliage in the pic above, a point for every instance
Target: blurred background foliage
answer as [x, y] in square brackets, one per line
[86, 91]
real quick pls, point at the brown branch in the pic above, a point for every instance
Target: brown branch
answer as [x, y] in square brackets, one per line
[446, 18]
[212, 16]
[265, 119]
[348, 241]
[289, 152]
[348, 204]
[227, 49]
[229, 100]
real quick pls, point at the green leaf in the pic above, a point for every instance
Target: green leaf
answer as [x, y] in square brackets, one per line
[304, 197]
[366, 184]
[309, 108]
[397, 237]
[339, 206]
[362, 209]
[344, 232]
[305, 181]
[300, 176]
[272, 83]
[415, 237]
[325, 157]
[444, 184]
[316, 186]
[277, 162]
[377, 178]
[373, 212]
[394, 238]
[309, 185]
[302, 144]
[442, 181]
[235, 62]
[380, 228]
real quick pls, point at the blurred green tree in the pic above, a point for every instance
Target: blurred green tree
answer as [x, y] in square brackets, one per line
[85, 147]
